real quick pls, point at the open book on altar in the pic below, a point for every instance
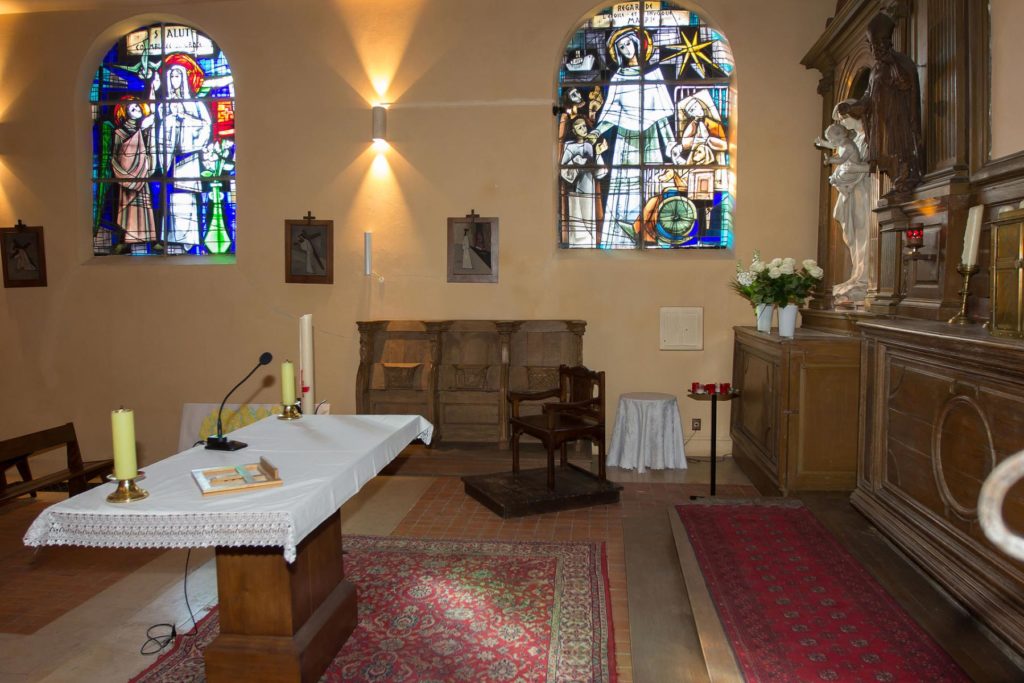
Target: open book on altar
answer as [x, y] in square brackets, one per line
[228, 479]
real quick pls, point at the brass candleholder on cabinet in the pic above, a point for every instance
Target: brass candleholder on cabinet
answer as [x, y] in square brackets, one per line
[967, 271]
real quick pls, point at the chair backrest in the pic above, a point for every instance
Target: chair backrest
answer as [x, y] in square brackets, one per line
[19, 446]
[578, 383]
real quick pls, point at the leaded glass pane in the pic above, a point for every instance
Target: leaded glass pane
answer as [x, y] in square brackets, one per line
[644, 159]
[163, 145]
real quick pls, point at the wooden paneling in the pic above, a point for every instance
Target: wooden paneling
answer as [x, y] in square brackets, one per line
[457, 373]
[795, 423]
[947, 405]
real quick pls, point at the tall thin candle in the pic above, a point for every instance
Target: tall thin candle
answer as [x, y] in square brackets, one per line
[288, 383]
[972, 235]
[306, 366]
[122, 425]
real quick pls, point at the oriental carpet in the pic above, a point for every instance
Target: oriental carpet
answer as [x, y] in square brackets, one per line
[457, 610]
[796, 606]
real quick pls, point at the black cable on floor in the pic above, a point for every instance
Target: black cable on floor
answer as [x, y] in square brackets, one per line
[156, 640]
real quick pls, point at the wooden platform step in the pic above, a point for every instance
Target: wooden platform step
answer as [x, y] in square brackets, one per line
[527, 493]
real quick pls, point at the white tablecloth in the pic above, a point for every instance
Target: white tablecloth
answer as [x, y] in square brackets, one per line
[647, 433]
[323, 459]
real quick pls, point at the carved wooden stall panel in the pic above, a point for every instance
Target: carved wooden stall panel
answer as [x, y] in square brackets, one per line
[945, 405]
[457, 373]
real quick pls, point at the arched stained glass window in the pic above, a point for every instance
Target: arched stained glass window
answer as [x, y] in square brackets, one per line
[645, 160]
[163, 169]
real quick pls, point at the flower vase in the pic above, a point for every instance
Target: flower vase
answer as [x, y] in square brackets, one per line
[764, 317]
[787, 320]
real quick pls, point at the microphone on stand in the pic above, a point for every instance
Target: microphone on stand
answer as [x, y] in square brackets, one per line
[221, 442]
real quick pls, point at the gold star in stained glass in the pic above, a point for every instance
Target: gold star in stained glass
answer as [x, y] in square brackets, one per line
[693, 52]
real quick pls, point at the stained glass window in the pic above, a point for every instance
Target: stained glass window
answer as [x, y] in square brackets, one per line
[645, 102]
[163, 169]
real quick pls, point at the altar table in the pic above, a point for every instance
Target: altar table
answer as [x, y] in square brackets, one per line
[285, 608]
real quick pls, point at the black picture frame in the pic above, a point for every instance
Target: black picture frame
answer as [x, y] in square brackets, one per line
[309, 251]
[24, 256]
[472, 249]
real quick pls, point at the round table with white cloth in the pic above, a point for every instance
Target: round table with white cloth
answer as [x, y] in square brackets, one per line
[648, 433]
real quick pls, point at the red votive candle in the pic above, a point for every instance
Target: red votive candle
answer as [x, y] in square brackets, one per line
[710, 388]
[724, 388]
[695, 388]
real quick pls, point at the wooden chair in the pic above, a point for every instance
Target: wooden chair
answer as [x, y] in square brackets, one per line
[578, 414]
[17, 451]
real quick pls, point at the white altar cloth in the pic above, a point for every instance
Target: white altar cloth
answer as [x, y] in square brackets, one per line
[322, 459]
[647, 433]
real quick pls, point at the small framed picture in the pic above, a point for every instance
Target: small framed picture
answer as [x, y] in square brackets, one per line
[472, 249]
[24, 256]
[309, 251]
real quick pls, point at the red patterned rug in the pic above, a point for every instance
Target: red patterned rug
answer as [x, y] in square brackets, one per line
[442, 610]
[796, 606]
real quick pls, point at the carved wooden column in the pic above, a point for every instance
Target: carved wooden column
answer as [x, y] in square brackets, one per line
[577, 328]
[435, 332]
[505, 331]
[368, 332]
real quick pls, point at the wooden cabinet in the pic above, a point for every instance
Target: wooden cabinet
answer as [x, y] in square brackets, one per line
[794, 426]
[457, 373]
[943, 406]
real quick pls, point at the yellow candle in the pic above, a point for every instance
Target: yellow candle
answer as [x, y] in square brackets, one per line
[122, 424]
[287, 383]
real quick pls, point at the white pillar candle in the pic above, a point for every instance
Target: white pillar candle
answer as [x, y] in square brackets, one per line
[972, 235]
[287, 383]
[122, 425]
[306, 363]
[367, 253]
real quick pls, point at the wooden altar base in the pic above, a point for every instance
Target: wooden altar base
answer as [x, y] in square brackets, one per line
[527, 493]
[282, 622]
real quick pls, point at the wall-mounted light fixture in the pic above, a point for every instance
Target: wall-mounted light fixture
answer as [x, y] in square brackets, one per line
[368, 257]
[380, 123]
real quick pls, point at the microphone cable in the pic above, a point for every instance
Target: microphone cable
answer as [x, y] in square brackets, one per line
[159, 636]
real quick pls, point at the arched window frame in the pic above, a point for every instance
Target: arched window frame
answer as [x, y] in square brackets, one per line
[623, 174]
[162, 105]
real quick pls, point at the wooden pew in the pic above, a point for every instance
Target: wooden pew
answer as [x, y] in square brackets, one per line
[16, 452]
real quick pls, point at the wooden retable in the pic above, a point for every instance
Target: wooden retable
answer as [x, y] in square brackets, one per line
[285, 606]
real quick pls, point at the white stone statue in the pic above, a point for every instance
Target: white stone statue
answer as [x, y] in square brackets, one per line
[852, 180]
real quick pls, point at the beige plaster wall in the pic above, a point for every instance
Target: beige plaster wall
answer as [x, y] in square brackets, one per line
[472, 85]
[1007, 21]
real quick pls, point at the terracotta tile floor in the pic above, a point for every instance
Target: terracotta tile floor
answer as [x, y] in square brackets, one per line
[41, 585]
[445, 511]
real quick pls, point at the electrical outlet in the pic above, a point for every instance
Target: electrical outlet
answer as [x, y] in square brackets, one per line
[695, 424]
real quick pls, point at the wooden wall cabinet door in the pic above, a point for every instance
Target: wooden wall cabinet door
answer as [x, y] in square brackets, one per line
[795, 424]
[1008, 275]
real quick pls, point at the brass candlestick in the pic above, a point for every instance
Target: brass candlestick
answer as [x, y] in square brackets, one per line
[967, 271]
[127, 491]
[289, 412]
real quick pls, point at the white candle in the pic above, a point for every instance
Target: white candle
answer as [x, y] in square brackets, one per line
[367, 253]
[122, 425]
[972, 235]
[287, 383]
[306, 363]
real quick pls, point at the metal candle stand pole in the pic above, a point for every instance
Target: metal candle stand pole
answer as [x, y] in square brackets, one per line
[714, 397]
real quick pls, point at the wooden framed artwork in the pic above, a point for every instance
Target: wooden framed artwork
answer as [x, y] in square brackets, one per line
[309, 251]
[24, 256]
[472, 249]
